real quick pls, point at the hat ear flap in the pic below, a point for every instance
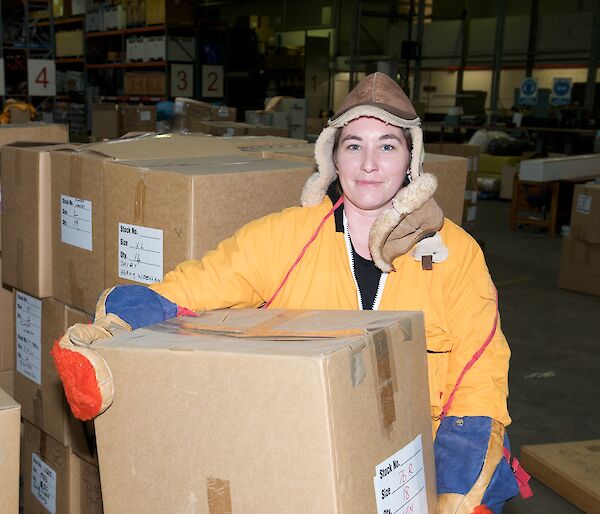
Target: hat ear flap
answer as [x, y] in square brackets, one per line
[316, 186]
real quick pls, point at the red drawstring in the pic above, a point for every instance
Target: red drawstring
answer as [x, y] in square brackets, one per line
[313, 237]
[471, 363]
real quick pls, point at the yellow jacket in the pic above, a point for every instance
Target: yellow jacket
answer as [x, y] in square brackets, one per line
[457, 296]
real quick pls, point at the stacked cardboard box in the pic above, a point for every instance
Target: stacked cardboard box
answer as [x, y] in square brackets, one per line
[10, 428]
[111, 120]
[471, 153]
[190, 115]
[580, 255]
[318, 407]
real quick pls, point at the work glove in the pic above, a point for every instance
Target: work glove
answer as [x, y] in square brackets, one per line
[86, 378]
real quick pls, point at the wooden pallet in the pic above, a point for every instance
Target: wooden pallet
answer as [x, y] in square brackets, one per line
[571, 469]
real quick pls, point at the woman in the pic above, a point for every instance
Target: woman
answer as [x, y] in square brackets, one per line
[369, 236]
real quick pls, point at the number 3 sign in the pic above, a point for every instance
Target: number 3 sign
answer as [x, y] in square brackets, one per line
[41, 77]
[182, 80]
[212, 81]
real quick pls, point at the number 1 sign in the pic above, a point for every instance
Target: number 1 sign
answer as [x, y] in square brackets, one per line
[212, 81]
[41, 77]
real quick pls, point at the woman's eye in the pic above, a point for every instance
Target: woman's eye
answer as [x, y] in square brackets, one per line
[387, 148]
[353, 146]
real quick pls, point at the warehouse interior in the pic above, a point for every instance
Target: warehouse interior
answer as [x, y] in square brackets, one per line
[139, 134]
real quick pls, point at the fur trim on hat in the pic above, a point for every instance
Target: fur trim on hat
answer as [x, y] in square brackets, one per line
[408, 199]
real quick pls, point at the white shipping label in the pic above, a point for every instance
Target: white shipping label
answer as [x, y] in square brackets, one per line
[140, 253]
[43, 483]
[28, 321]
[584, 204]
[400, 481]
[76, 222]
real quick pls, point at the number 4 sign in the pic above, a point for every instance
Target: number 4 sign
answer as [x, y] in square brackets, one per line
[41, 77]
[182, 80]
[212, 81]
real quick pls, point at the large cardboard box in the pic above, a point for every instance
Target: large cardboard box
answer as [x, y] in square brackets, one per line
[451, 173]
[10, 429]
[471, 153]
[284, 411]
[26, 234]
[186, 207]
[579, 266]
[224, 128]
[507, 182]
[55, 479]
[7, 327]
[39, 132]
[170, 12]
[106, 122]
[585, 213]
[78, 188]
[138, 118]
[37, 386]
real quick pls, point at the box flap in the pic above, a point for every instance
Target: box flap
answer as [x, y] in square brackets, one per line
[265, 332]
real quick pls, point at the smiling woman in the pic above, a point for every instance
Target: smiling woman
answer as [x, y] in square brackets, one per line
[364, 238]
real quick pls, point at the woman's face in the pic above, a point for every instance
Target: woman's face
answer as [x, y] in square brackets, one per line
[372, 159]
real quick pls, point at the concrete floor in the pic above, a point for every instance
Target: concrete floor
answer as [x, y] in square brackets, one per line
[549, 330]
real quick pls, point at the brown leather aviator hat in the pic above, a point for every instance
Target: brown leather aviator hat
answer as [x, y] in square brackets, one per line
[397, 228]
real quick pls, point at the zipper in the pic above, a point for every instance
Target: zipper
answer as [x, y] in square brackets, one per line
[382, 278]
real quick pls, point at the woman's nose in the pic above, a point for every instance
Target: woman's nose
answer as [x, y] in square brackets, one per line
[369, 163]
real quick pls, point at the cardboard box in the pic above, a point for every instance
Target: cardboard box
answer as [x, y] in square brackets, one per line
[262, 130]
[7, 328]
[133, 83]
[55, 479]
[155, 83]
[37, 131]
[507, 181]
[182, 208]
[7, 381]
[27, 241]
[296, 425]
[585, 213]
[571, 469]
[10, 431]
[78, 256]
[222, 113]
[170, 12]
[17, 115]
[37, 385]
[69, 43]
[106, 122]
[138, 118]
[451, 173]
[224, 128]
[579, 266]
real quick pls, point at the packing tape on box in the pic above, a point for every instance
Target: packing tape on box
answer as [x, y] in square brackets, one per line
[219, 496]
[140, 201]
[385, 386]
[279, 319]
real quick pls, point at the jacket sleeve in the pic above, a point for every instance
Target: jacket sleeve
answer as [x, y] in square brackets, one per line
[471, 309]
[232, 275]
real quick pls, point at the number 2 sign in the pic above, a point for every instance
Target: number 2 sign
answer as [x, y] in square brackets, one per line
[41, 77]
[212, 81]
[182, 80]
